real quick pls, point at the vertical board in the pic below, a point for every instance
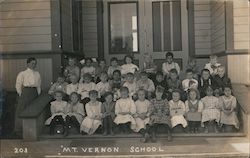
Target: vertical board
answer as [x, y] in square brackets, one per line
[177, 45]
[166, 26]
[156, 14]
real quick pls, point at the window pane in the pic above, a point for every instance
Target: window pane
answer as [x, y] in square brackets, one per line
[177, 40]
[156, 26]
[123, 28]
[166, 26]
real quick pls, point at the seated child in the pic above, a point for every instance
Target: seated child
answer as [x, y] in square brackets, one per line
[177, 110]
[228, 105]
[130, 84]
[160, 81]
[86, 87]
[169, 65]
[73, 86]
[88, 68]
[102, 67]
[58, 113]
[213, 65]
[193, 110]
[149, 66]
[128, 67]
[145, 83]
[113, 66]
[74, 112]
[173, 83]
[103, 86]
[204, 81]
[94, 116]
[116, 83]
[59, 85]
[159, 114]
[211, 112]
[124, 110]
[72, 68]
[142, 115]
[189, 82]
[108, 113]
[193, 66]
[220, 80]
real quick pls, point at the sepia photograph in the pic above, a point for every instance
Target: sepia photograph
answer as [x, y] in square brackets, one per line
[124, 78]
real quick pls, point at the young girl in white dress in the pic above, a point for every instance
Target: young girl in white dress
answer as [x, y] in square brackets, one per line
[75, 112]
[124, 110]
[177, 110]
[128, 67]
[142, 115]
[113, 66]
[131, 84]
[193, 110]
[103, 86]
[58, 112]
[86, 87]
[211, 111]
[228, 106]
[73, 86]
[93, 120]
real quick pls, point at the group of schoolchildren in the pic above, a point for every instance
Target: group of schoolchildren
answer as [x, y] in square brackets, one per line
[125, 98]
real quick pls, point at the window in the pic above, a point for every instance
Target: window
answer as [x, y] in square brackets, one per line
[77, 25]
[166, 26]
[123, 28]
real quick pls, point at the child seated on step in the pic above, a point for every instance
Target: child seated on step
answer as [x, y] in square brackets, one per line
[101, 68]
[73, 86]
[177, 110]
[130, 83]
[194, 107]
[212, 65]
[113, 66]
[192, 64]
[205, 81]
[59, 85]
[124, 110]
[149, 66]
[221, 80]
[88, 68]
[103, 86]
[128, 66]
[72, 68]
[145, 83]
[189, 83]
[75, 113]
[211, 110]
[169, 65]
[116, 83]
[86, 87]
[108, 113]
[228, 105]
[173, 82]
[142, 115]
[159, 114]
[161, 81]
[58, 112]
[93, 119]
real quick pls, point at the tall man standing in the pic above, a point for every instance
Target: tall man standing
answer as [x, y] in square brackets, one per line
[28, 87]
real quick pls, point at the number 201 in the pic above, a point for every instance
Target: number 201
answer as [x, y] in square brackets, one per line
[20, 150]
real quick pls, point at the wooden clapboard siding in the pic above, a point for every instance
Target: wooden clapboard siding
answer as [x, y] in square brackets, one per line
[11, 68]
[202, 27]
[241, 24]
[25, 25]
[90, 40]
[218, 31]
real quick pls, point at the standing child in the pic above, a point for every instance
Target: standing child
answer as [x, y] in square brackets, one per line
[142, 115]
[160, 114]
[124, 110]
[88, 68]
[170, 64]
[193, 110]
[128, 67]
[177, 110]
[113, 66]
[58, 112]
[173, 83]
[73, 86]
[94, 116]
[86, 87]
[59, 85]
[220, 80]
[228, 105]
[130, 84]
[213, 65]
[103, 86]
[108, 112]
[75, 112]
[211, 112]
[145, 83]
[149, 66]
[72, 68]
[204, 82]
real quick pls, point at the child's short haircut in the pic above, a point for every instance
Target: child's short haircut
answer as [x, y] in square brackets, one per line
[130, 74]
[93, 92]
[227, 86]
[113, 59]
[159, 73]
[87, 75]
[108, 94]
[74, 93]
[159, 89]
[123, 89]
[30, 60]
[88, 59]
[59, 92]
[169, 54]
[196, 91]
[128, 56]
[117, 71]
[189, 70]
[142, 90]
[205, 70]
[101, 59]
[176, 91]
[144, 73]
[173, 71]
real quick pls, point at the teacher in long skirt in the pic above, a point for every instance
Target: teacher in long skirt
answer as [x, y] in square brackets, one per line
[28, 87]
